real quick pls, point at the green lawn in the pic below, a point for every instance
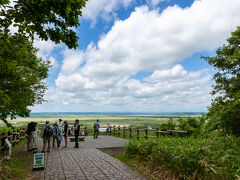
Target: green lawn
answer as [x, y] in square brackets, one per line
[88, 120]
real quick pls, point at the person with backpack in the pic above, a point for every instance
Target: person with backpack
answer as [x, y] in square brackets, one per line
[47, 134]
[76, 132]
[30, 131]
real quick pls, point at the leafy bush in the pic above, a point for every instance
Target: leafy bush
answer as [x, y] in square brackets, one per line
[7, 129]
[169, 125]
[194, 125]
[191, 158]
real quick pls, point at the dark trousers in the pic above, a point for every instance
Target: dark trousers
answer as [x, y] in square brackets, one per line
[55, 138]
[95, 133]
[76, 140]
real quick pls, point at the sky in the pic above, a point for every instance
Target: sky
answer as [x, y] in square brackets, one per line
[139, 56]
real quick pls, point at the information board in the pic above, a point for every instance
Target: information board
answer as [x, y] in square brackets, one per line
[38, 161]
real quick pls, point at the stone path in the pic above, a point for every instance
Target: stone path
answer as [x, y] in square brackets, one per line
[86, 162]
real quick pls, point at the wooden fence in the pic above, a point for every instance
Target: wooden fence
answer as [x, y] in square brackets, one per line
[14, 137]
[131, 132]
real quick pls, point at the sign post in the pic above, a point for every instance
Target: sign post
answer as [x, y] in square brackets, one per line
[10, 147]
[38, 161]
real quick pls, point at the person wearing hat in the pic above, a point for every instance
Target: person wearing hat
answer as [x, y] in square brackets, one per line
[96, 127]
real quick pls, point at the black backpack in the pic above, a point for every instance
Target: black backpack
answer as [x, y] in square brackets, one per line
[48, 132]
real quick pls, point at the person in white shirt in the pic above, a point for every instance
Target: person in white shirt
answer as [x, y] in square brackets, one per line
[35, 136]
[59, 123]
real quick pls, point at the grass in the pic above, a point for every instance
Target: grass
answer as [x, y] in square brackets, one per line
[146, 169]
[88, 120]
[18, 166]
[190, 158]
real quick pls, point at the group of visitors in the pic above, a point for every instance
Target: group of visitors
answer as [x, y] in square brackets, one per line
[56, 133]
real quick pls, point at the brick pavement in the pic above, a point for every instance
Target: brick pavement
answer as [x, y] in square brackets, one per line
[86, 162]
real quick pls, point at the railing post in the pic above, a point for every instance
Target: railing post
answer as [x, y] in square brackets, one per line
[130, 132]
[157, 133]
[138, 133]
[13, 138]
[24, 132]
[119, 130]
[17, 136]
[188, 133]
[114, 130]
[3, 144]
[146, 133]
[9, 138]
[124, 131]
[110, 130]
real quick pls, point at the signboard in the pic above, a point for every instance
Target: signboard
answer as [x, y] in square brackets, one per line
[38, 161]
[102, 129]
[10, 146]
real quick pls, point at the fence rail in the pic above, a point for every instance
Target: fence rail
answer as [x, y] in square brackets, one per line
[133, 131]
[14, 138]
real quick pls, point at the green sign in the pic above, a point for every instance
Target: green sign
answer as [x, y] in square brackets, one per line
[38, 161]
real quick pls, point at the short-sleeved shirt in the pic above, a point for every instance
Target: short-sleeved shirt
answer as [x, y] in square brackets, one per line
[96, 126]
[76, 129]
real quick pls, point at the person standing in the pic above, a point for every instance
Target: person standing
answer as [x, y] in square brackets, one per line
[55, 138]
[65, 133]
[47, 134]
[96, 127]
[59, 137]
[30, 131]
[35, 135]
[107, 129]
[76, 132]
[59, 123]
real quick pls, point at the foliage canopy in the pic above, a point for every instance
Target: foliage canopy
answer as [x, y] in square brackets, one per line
[21, 76]
[54, 20]
[225, 108]
[21, 71]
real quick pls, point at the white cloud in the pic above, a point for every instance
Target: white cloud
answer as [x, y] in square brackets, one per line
[45, 47]
[176, 72]
[153, 42]
[103, 8]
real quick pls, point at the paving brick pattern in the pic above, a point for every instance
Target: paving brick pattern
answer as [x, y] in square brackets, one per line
[86, 162]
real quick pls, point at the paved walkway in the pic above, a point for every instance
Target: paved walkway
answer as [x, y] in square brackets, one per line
[86, 162]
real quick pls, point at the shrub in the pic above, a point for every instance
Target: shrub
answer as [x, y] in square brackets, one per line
[169, 125]
[194, 125]
[191, 158]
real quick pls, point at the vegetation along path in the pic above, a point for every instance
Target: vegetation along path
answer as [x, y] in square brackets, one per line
[86, 162]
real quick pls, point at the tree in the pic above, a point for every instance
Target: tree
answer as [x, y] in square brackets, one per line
[21, 76]
[49, 19]
[225, 108]
[21, 71]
